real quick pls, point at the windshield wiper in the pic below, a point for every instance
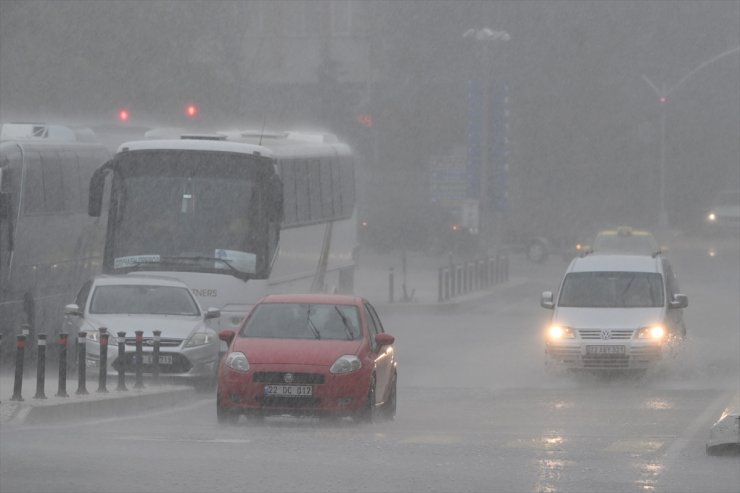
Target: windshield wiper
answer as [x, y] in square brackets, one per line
[311, 325]
[347, 325]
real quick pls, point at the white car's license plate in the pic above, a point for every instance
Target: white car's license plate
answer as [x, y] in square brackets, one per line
[164, 359]
[604, 349]
[289, 390]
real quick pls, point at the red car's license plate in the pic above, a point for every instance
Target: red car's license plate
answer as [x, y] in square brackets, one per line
[289, 390]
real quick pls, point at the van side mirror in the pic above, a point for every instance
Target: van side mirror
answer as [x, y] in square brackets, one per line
[73, 310]
[679, 301]
[546, 300]
[212, 313]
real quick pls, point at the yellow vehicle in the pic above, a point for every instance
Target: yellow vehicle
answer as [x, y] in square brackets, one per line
[625, 239]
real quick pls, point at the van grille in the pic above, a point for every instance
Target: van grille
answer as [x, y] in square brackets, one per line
[618, 334]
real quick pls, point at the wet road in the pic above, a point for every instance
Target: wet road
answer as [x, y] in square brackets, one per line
[477, 412]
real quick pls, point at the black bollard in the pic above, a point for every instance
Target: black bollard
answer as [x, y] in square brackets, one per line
[139, 384]
[81, 363]
[20, 346]
[121, 361]
[390, 285]
[103, 366]
[1, 348]
[41, 367]
[155, 355]
[62, 392]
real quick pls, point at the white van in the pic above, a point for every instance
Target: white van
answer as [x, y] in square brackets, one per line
[615, 312]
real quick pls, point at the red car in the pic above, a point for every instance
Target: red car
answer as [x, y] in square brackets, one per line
[308, 354]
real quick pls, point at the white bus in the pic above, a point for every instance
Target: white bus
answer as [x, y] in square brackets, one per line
[234, 215]
[48, 242]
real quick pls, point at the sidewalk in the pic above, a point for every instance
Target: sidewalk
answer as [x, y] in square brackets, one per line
[417, 289]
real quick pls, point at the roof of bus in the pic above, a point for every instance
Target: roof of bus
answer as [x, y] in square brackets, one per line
[195, 144]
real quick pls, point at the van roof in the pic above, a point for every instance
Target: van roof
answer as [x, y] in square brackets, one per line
[616, 263]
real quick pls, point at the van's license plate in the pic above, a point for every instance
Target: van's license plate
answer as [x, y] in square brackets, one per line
[289, 390]
[604, 349]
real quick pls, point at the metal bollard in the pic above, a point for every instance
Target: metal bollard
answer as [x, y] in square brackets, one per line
[103, 361]
[20, 346]
[62, 392]
[121, 361]
[155, 355]
[139, 359]
[1, 349]
[41, 367]
[81, 363]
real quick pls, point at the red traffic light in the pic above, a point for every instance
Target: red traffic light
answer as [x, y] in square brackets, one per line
[365, 119]
[191, 110]
[123, 114]
[663, 100]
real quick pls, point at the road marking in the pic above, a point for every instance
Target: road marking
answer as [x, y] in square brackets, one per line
[189, 440]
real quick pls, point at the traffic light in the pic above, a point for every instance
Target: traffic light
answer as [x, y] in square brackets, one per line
[191, 110]
[123, 114]
[663, 100]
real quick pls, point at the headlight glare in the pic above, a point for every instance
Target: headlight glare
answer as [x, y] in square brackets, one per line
[711, 217]
[560, 332]
[653, 332]
[346, 364]
[237, 361]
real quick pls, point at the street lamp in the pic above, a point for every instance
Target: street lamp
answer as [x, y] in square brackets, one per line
[486, 225]
[663, 94]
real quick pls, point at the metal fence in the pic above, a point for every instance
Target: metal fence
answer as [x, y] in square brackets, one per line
[470, 275]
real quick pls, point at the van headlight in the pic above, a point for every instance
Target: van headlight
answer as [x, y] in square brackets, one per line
[653, 332]
[712, 217]
[556, 332]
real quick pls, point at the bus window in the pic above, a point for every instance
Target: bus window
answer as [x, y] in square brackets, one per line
[287, 175]
[314, 187]
[52, 178]
[327, 202]
[33, 189]
[302, 191]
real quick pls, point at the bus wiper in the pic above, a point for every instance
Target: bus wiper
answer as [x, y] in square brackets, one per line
[311, 325]
[347, 325]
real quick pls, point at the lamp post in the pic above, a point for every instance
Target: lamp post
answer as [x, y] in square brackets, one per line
[487, 224]
[663, 92]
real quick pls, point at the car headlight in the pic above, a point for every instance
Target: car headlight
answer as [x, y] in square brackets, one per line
[346, 364]
[712, 217]
[653, 332]
[237, 361]
[201, 338]
[560, 332]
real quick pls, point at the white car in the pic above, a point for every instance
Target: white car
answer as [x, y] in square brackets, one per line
[615, 312]
[189, 346]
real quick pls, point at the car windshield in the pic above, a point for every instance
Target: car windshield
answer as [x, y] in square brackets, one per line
[612, 290]
[626, 243]
[303, 321]
[143, 299]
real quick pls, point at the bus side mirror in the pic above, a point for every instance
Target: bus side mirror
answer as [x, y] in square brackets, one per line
[97, 186]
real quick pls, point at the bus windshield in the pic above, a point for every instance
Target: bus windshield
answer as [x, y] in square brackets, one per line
[196, 210]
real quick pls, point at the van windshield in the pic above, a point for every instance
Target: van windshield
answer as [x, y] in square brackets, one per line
[612, 290]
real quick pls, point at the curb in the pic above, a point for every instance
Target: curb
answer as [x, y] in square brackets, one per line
[99, 405]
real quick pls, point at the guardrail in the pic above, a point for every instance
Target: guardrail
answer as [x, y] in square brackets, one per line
[470, 275]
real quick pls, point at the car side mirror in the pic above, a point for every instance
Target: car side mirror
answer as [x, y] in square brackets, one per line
[212, 313]
[679, 301]
[384, 339]
[73, 310]
[227, 335]
[546, 300]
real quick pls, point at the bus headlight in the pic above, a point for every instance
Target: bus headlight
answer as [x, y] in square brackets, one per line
[653, 332]
[556, 332]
